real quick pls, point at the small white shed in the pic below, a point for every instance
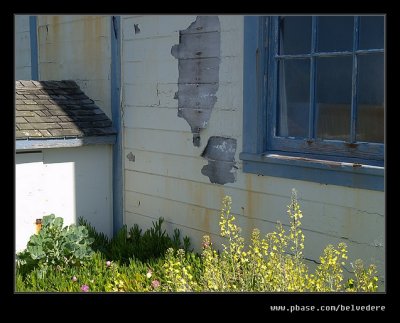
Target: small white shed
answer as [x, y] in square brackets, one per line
[63, 157]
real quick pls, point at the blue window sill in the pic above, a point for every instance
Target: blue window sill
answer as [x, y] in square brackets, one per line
[315, 170]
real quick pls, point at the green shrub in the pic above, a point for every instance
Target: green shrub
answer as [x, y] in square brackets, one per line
[55, 246]
[151, 244]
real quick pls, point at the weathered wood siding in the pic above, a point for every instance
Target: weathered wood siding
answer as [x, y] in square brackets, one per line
[77, 48]
[69, 182]
[163, 168]
[22, 48]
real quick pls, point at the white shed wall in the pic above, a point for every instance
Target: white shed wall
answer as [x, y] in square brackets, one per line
[69, 182]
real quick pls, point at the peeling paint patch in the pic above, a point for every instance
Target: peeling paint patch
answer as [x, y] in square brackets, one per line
[220, 153]
[137, 29]
[131, 157]
[198, 54]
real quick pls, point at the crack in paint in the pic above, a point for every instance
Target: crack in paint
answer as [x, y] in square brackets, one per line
[370, 213]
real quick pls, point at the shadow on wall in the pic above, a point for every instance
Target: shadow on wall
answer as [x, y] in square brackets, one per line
[69, 182]
[92, 182]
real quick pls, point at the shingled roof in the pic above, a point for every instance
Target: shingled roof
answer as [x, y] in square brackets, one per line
[57, 110]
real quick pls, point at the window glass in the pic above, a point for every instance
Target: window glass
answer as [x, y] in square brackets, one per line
[295, 35]
[294, 98]
[333, 97]
[335, 33]
[370, 121]
[371, 32]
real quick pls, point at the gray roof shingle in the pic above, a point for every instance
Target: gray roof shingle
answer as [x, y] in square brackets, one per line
[57, 109]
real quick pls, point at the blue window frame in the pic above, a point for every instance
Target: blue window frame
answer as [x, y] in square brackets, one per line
[314, 98]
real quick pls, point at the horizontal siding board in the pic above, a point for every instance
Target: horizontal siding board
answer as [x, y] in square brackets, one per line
[200, 45]
[369, 203]
[225, 122]
[162, 95]
[57, 30]
[71, 50]
[180, 143]
[203, 24]
[178, 166]
[195, 96]
[174, 189]
[79, 70]
[228, 97]
[199, 70]
[148, 49]
[343, 222]
[231, 23]
[165, 71]
[231, 44]
[154, 118]
[166, 95]
[162, 25]
[229, 71]
[66, 19]
[154, 25]
[140, 94]
[191, 216]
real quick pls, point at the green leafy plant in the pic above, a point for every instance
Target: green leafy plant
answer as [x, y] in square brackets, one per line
[273, 263]
[55, 246]
[100, 240]
[151, 244]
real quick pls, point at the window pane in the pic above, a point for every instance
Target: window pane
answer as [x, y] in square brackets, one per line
[371, 32]
[370, 98]
[333, 97]
[294, 98]
[335, 33]
[295, 35]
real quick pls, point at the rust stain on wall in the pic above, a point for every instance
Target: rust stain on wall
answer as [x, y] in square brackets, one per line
[198, 54]
[220, 153]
